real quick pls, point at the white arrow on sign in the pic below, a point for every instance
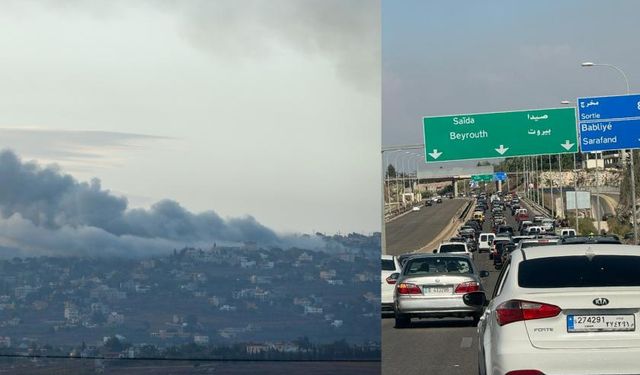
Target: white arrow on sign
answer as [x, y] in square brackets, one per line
[502, 149]
[435, 154]
[567, 145]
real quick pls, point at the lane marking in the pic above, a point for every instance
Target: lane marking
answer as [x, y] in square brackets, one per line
[466, 342]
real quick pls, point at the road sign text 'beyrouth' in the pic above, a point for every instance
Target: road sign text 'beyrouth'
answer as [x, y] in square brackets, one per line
[500, 134]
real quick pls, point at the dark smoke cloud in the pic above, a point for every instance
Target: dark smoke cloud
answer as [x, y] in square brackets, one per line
[43, 211]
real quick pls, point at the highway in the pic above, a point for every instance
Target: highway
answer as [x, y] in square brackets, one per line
[414, 230]
[436, 346]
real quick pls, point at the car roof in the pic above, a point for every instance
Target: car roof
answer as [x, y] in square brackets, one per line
[540, 240]
[450, 243]
[576, 250]
[611, 239]
[439, 255]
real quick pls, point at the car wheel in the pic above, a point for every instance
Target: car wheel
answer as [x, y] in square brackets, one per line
[402, 321]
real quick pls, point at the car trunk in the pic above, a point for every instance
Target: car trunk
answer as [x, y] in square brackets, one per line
[584, 324]
[438, 285]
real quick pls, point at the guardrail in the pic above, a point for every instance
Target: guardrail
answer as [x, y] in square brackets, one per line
[536, 207]
[464, 213]
[396, 212]
[459, 217]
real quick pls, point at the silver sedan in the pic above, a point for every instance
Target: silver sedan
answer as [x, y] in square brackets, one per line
[432, 286]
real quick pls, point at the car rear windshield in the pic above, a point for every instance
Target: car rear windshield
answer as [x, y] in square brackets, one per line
[580, 271]
[452, 248]
[425, 266]
[501, 240]
[388, 265]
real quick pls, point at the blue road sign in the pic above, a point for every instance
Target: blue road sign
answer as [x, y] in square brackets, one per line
[609, 122]
[499, 176]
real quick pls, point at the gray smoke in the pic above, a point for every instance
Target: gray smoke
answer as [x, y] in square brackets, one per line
[43, 211]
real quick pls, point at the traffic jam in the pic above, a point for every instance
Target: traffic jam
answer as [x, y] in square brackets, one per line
[559, 303]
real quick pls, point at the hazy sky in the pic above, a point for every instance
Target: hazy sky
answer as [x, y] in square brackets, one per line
[455, 57]
[267, 108]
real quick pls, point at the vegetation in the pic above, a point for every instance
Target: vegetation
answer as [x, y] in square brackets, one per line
[516, 164]
[618, 227]
[585, 225]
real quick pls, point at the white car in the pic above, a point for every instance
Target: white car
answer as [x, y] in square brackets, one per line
[484, 242]
[453, 248]
[548, 225]
[535, 242]
[565, 309]
[567, 232]
[390, 265]
[534, 230]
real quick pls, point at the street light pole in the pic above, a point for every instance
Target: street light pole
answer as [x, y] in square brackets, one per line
[560, 185]
[575, 191]
[396, 169]
[633, 174]
[383, 232]
[550, 179]
[598, 217]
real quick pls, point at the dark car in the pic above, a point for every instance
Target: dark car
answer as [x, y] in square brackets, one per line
[503, 249]
[504, 229]
[507, 249]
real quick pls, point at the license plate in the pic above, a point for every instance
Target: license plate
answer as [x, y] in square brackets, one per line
[600, 323]
[438, 289]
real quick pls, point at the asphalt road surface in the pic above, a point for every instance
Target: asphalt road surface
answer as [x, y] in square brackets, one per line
[416, 229]
[436, 346]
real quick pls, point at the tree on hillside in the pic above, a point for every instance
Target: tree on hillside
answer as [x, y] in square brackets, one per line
[391, 171]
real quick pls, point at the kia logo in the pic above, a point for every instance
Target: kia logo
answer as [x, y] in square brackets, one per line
[600, 301]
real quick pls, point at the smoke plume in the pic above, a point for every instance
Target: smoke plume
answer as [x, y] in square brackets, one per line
[45, 212]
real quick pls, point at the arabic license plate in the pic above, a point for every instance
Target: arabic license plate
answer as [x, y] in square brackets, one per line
[438, 289]
[600, 323]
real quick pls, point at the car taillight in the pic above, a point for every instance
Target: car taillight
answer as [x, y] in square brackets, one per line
[516, 310]
[468, 287]
[390, 280]
[407, 288]
[525, 372]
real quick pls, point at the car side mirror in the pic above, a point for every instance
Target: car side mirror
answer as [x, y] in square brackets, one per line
[475, 299]
[484, 273]
[435, 251]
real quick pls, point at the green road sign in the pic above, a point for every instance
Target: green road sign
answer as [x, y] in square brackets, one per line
[500, 135]
[482, 177]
